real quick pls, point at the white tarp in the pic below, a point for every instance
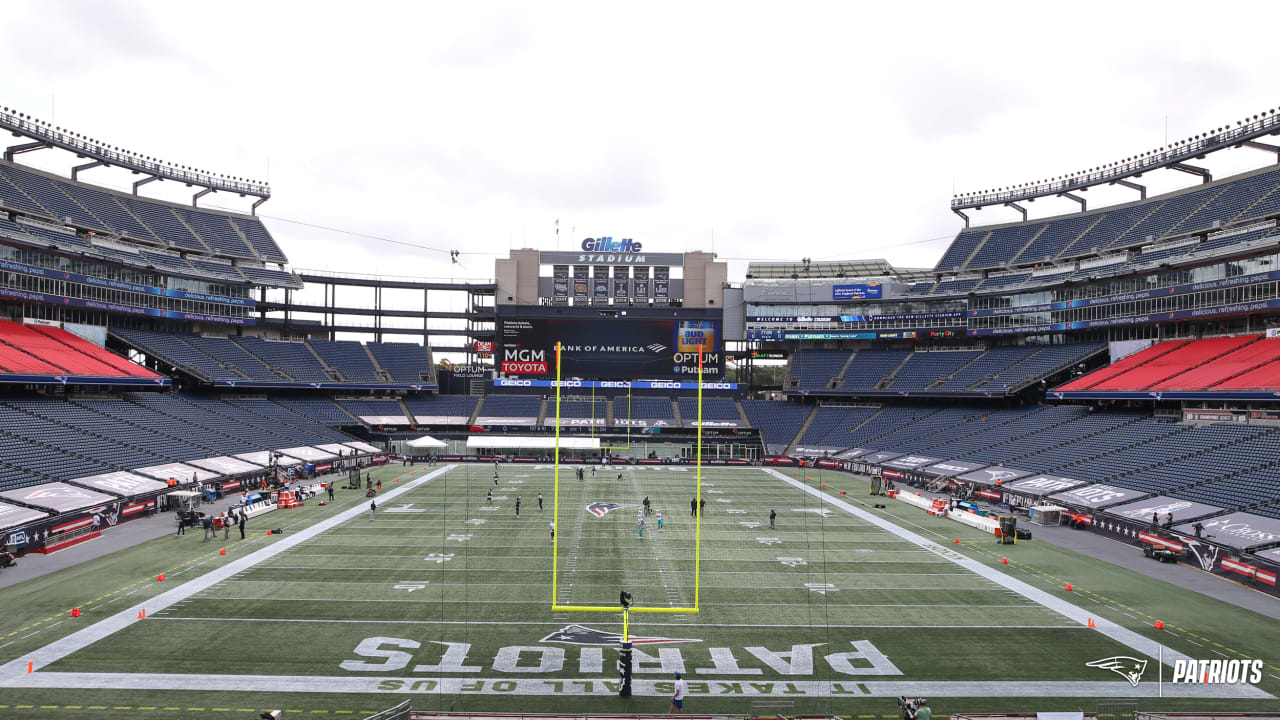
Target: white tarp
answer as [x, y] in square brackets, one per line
[178, 471]
[506, 420]
[13, 516]
[385, 419]
[336, 449]
[363, 447]
[119, 483]
[263, 458]
[308, 454]
[426, 441]
[225, 465]
[58, 497]
[531, 443]
[441, 419]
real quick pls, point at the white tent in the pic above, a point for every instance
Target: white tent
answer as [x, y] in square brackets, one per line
[426, 441]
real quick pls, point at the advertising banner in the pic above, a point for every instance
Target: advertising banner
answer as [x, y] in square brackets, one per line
[1038, 485]
[580, 284]
[662, 282]
[13, 516]
[560, 281]
[600, 281]
[951, 468]
[610, 347]
[1162, 507]
[992, 475]
[621, 281]
[123, 484]
[1238, 530]
[856, 292]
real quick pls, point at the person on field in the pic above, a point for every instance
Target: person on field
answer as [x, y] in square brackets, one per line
[373, 506]
[488, 498]
[517, 506]
[539, 502]
[773, 515]
[677, 699]
[658, 513]
[206, 523]
[552, 527]
[242, 523]
[693, 508]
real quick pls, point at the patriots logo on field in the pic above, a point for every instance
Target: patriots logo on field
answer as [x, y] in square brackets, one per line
[1129, 668]
[583, 635]
[600, 509]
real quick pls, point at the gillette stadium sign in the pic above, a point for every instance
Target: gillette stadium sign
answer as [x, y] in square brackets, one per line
[608, 251]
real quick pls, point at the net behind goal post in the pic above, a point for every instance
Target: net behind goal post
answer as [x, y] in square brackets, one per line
[697, 543]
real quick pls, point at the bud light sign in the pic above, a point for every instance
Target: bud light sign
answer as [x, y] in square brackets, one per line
[856, 292]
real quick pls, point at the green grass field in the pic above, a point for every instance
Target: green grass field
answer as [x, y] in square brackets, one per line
[446, 599]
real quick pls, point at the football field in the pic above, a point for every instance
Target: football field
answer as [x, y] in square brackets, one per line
[445, 596]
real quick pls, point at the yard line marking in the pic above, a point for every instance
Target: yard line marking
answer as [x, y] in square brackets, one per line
[1120, 634]
[1066, 626]
[15, 670]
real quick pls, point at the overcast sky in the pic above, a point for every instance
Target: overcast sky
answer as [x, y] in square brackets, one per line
[775, 131]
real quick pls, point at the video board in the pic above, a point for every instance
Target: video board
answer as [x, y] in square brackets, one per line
[610, 348]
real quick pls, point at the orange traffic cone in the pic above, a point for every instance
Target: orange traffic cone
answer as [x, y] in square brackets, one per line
[160, 577]
[268, 532]
[957, 541]
[1159, 625]
[142, 614]
[223, 551]
[29, 666]
[841, 492]
[1004, 561]
[75, 612]
[1068, 587]
[1091, 624]
[824, 484]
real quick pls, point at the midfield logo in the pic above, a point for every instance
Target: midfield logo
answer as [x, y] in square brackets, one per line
[583, 635]
[600, 509]
[1129, 668]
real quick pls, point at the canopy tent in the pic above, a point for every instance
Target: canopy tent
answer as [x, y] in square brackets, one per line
[495, 442]
[426, 441]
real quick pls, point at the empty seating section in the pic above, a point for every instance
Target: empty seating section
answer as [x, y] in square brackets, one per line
[1074, 236]
[956, 287]
[1233, 450]
[217, 269]
[292, 358]
[78, 344]
[407, 362]
[582, 408]
[525, 406]
[886, 422]
[217, 233]
[1054, 239]
[813, 369]
[321, 410]
[134, 217]
[1222, 369]
[172, 349]
[315, 431]
[960, 249]
[442, 406]
[870, 366]
[55, 350]
[267, 276]
[832, 424]
[1173, 363]
[1244, 490]
[989, 364]
[1266, 377]
[1046, 361]
[778, 422]
[1123, 365]
[1003, 282]
[1234, 199]
[997, 434]
[1228, 239]
[713, 408]
[924, 369]
[232, 356]
[920, 288]
[1004, 243]
[380, 407]
[348, 358]
[643, 408]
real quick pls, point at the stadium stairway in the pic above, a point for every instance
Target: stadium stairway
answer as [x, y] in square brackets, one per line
[333, 372]
[405, 409]
[949, 376]
[803, 429]
[886, 381]
[675, 412]
[868, 421]
[742, 414]
[838, 380]
[381, 372]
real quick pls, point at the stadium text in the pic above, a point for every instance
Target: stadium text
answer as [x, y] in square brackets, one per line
[1217, 671]
[609, 245]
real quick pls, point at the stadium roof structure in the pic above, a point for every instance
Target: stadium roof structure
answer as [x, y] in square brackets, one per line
[1170, 157]
[840, 269]
[44, 135]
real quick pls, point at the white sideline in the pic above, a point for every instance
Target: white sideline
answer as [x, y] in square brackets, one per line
[81, 639]
[1122, 635]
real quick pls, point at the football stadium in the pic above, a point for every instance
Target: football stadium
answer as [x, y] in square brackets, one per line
[617, 475]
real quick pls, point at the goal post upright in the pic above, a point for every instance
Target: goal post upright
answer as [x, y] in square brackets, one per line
[555, 543]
